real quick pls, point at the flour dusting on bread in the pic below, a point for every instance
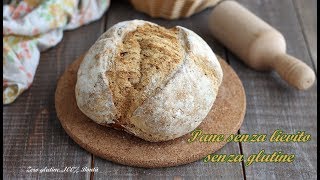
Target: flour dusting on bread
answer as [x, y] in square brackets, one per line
[153, 82]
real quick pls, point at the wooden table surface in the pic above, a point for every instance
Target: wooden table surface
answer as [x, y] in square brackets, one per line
[34, 138]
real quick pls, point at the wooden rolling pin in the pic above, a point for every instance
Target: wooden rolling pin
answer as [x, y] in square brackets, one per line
[257, 43]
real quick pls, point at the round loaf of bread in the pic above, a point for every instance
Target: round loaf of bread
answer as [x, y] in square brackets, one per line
[153, 82]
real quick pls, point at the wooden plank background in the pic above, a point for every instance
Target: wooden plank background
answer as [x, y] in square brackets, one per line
[33, 136]
[272, 105]
[307, 16]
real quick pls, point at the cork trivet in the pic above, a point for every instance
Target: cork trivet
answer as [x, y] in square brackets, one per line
[225, 117]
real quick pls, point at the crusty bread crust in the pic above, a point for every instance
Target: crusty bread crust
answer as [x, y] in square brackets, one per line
[145, 60]
[155, 83]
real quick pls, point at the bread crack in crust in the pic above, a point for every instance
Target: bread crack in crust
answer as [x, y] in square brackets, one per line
[145, 60]
[155, 83]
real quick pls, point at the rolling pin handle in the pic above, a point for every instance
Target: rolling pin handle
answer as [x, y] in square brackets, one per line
[294, 71]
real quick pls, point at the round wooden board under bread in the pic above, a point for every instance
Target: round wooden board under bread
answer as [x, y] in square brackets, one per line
[225, 117]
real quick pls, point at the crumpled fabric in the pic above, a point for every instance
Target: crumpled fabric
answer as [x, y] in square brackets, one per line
[32, 26]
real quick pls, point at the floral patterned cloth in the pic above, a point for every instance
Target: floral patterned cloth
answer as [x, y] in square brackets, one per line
[32, 26]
